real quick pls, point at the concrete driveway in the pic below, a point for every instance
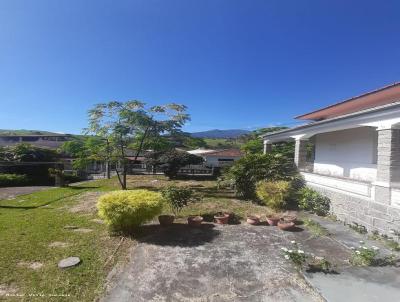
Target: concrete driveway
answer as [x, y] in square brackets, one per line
[211, 263]
[12, 192]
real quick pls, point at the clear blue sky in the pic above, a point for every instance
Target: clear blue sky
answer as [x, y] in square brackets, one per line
[234, 63]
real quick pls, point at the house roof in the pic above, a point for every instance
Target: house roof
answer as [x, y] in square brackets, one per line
[200, 151]
[382, 96]
[226, 152]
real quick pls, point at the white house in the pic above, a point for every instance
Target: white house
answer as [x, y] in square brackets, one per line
[350, 151]
[218, 158]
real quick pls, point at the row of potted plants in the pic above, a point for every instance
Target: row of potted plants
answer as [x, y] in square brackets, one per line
[284, 222]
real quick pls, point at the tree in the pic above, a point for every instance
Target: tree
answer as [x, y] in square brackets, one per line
[86, 150]
[247, 171]
[172, 161]
[24, 152]
[120, 124]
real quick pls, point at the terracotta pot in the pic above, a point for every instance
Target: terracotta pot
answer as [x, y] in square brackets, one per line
[289, 218]
[195, 220]
[221, 218]
[273, 220]
[285, 226]
[166, 220]
[253, 220]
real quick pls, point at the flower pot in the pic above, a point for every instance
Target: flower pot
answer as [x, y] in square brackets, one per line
[285, 226]
[221, 218]
[253, 220]
[273, 220]
[195, 221]
[166, 220]
[289, 218]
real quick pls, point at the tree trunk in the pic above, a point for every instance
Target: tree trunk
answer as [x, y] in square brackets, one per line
[108, 172]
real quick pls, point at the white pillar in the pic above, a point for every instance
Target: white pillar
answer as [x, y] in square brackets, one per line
[267, 147]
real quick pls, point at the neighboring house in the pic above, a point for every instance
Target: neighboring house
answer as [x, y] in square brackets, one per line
[351, 153]
[47, 141]
[218, 158]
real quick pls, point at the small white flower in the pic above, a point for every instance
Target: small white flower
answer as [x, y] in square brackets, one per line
[353, 248]
[391, 231]
[287, 257]
[365, 248]
[362, 242]
[293, 242]
[375, 248]
[358, 252]
[300, 251]
[284, 249]
[290, 251]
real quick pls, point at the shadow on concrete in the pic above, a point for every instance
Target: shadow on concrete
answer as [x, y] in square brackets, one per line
[177, 234]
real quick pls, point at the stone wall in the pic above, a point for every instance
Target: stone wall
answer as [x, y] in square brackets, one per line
[373, 215]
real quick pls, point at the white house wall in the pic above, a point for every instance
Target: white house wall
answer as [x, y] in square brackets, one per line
[347, 153]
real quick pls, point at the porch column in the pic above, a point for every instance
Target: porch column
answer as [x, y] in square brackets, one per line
[267, 147]
[300, 153]
[388, 163]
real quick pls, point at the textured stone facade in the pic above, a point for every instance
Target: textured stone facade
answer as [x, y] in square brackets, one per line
[373, 215]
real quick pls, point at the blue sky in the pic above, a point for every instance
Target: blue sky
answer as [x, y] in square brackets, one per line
[234, 63]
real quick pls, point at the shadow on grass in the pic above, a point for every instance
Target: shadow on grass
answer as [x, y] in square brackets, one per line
[177, 234]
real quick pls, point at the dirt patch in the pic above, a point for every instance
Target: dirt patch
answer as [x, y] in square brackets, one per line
[32, 265]
[59, 244]
[83, 230]
[8, 290]
[87, 203]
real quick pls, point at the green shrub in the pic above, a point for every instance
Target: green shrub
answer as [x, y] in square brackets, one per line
[274, 194]
[247, 171]
[177, 197]
[126, 210]
[13, 180]
[311, 200]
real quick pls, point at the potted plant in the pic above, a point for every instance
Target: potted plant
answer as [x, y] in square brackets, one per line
[195, 221]
[253, 219]
[221, 218]
[289, 218]
[176, 198]
[285, 225]
[273, 219]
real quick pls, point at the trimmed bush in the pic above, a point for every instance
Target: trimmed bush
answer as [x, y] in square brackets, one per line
[311, 200]
[126, 210]
[274, 194]
[13, 180]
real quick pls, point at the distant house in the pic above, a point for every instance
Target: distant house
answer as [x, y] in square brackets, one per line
[53, 141]
[218, 158]
[351, 153]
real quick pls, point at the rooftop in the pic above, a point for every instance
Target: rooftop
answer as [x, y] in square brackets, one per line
[382, 96]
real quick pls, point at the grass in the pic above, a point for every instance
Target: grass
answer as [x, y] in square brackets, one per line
[30, 223]
[315, 228]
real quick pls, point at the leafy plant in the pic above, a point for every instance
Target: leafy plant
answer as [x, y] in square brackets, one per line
[315, 228]
[387, 241]
[126, 210]
[273, 194]
[359, 228]
[252, 168]
[311, 200]
[178, 197]
[13, 180]
[320, 264]
[295, 255]
[364, 256]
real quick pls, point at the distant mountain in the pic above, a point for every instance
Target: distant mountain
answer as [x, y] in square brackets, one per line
[26, 132]
[216, 133]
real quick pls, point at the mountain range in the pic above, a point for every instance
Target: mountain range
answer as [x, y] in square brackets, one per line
[216, 133]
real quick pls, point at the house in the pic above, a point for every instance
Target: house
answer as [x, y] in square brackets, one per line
[350, 152]
[52, 141]
[218, 158]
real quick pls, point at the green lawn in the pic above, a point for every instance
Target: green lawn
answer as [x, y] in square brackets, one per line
[30, 224]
